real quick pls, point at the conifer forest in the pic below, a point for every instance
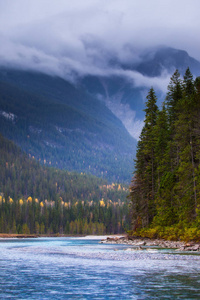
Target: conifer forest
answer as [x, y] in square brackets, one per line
[165, 190]
[41, 200]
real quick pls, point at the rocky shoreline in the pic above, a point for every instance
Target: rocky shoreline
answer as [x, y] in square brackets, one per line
[144, 243]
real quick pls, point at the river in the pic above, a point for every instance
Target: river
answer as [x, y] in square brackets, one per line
[82, 268]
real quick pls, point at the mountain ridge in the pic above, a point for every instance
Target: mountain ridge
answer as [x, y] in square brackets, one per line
[58, 131]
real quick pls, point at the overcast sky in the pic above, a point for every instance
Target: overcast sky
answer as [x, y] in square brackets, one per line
[63, 36]
[70, 37]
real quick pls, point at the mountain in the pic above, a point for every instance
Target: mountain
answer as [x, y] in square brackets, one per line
[127, 100]
[90, 125]
[62, 125]
[166, 58]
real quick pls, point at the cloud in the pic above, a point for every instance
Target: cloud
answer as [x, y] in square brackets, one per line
[27, 56]
[95, 37]
[82, 34]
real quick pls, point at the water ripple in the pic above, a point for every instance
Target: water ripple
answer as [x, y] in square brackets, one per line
[84, 269]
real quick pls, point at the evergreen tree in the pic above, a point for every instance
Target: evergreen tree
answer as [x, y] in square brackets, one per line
[167, 195]
[175, 90]
[185, 139]
[144, 180]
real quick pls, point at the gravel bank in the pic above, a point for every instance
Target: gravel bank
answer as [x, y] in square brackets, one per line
[143, 243]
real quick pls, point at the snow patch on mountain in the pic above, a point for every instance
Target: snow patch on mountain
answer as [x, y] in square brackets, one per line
[8, 115]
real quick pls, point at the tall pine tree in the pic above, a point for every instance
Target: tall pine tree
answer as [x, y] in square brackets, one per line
[144, 180]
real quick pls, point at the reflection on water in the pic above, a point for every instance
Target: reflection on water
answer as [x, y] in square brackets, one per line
[70, 268]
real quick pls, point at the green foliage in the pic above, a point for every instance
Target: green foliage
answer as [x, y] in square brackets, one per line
[43, 200]
[145, 164]
[166, 189]
[170, 233]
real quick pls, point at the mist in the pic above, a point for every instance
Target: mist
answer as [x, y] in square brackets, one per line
[73, 39]
[80, 38]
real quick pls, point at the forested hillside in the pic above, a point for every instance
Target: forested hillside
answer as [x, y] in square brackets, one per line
[37, 199]
[165, 192]
[61, 125]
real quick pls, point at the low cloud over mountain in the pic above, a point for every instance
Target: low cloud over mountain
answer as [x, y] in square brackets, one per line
[102, 39]
[70, 38]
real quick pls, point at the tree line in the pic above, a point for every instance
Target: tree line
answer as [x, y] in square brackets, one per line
[165, 190]
[31, 216]
[44, 200]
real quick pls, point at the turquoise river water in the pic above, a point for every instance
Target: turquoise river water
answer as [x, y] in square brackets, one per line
[83, 268]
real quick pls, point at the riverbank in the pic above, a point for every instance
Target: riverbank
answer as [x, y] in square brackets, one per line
[23, 236]
[20, 236]
[143, 243]
[136, 243]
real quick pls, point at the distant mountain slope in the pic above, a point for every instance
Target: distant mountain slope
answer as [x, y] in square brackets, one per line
[22, 176]
[63, 126]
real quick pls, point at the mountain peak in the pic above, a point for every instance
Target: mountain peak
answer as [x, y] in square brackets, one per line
[155, 61]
